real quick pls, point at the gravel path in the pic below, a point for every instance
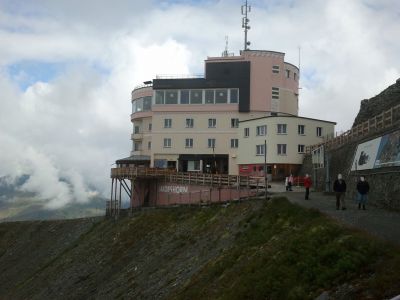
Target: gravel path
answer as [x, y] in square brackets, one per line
[378, 222]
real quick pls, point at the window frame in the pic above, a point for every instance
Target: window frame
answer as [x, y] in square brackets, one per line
[280, 127]
[212, 123]
[234, 122]
[281, 149]
[262, 132]
[188, 143]
[167, 123]
[189, 123]
[260, 150]
[166, 144]
[234, 143]
[211, 143]
[301, 131]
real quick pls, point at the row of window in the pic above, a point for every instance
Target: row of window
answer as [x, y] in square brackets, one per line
[281, 129]
[281, 149]
[276, 70]
[209, 96]
[234, 143]
[212, 123]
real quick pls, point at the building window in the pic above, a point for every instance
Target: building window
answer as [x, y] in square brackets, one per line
[137, 146]
[282, 129]
[159, 97]
[184, 96]
[260, 149]
[137, 129]
[167, 143]
[171, 97]
[234, 96]
[193, 165]
[234, 143]
[149, 145]
[287, 73]
[167, 123]
[221, 96]
[212, 123]
[295, 76]
[275, 93]
[247, 132]
[196, 97]
[147, 103]
[300, 148]
[211, 143]
[275, 69]
[281, 149]
[209, 97]
[150, 126]
[234, 123]
[301, 129]
[189, 143]
[189, 123]
[319, 131]
[261, 130]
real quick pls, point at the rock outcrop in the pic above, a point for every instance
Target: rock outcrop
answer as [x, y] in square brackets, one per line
[378, 104]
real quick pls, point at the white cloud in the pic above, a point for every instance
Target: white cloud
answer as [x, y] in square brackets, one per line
[67, 131]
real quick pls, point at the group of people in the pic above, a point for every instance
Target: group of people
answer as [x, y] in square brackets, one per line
[339, 187]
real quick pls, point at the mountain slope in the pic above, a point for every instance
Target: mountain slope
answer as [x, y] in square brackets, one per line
[257, 250]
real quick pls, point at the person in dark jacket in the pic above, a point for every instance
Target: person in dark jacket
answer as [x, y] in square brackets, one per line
[362, 190]
[339, 187]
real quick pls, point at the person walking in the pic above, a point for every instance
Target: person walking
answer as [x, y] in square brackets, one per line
[362, 190]
[287, 183]
[339, 187]
[307, 185]
[291, 182]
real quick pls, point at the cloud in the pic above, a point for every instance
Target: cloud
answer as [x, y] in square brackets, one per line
[67, 126]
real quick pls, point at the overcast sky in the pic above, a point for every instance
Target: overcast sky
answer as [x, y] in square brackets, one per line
[67, 68]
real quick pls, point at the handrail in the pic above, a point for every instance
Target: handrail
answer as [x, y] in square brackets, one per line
[383, 120]
[188, 177]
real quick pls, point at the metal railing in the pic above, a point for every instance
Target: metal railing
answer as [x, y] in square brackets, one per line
[188, 177]
[381, 121]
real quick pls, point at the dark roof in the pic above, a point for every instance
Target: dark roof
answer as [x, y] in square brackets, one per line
[133, 158]
[288, 116]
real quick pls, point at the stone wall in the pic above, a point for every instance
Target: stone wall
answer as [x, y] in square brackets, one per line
[384, 182]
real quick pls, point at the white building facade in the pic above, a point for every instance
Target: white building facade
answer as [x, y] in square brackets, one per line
[192, 123]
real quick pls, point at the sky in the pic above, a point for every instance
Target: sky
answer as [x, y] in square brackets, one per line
[67, 69]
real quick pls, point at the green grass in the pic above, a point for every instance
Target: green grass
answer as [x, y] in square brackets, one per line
[284, 251]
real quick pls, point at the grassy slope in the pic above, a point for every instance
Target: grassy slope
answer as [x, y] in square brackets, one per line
[247, 250]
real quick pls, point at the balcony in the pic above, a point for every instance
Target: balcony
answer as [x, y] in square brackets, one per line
[137, 136]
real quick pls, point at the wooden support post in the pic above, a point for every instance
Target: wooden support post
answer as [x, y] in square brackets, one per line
[119, 204]
[111, 198]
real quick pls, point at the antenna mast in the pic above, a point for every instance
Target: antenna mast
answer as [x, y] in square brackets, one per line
[245, 23]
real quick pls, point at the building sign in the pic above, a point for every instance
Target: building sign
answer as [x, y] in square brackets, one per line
[377, 153]
[176, 189]
[389, 151]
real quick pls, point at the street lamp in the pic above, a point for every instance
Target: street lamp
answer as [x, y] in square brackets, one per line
[265, 170]
[215, 162]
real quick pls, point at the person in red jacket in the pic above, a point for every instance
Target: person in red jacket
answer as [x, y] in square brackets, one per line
[307, 185]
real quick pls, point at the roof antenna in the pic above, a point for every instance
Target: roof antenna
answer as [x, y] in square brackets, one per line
[245, 23]
[226, 53]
